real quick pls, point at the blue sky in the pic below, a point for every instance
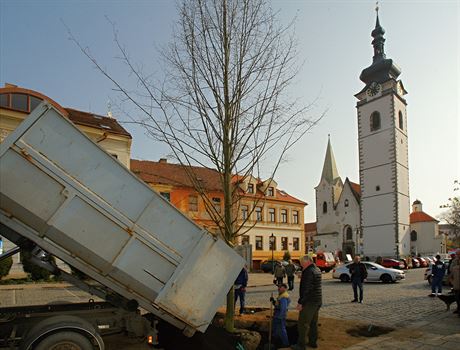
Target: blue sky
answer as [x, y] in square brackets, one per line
[423, 37]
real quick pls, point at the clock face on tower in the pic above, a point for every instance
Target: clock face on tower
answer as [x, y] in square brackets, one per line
[374, 89]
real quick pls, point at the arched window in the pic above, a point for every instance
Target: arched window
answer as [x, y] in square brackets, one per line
[413, 236]
[401, 121]
[324, 207]
[346, 203]
[349, 234]
[375, 121]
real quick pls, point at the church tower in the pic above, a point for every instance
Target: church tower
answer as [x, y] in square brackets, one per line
[327, 193]
[383, 155]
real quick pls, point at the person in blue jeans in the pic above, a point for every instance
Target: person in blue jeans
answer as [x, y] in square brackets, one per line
[240, 285]
[438, 270]
[358, 274]
[281, 304]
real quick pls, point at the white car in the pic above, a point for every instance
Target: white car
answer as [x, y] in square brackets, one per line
[375, 272]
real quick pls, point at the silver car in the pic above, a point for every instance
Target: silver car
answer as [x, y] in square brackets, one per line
[375, 272]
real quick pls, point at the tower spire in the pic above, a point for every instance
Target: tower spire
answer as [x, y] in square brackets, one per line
[330, 172]
[379, 40]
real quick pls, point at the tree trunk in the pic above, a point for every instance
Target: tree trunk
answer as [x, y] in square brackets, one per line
[228, 321]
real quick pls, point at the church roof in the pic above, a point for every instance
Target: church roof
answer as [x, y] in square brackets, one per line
[330, 173]
[356, 188]
[420, 216]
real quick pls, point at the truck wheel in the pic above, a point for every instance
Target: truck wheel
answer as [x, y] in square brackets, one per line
[344, 278]
[65, 341]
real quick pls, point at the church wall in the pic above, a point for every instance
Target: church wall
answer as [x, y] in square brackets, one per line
[378, 210]
[377, 181]
[328, 242]
[403, 184]
[428, 240]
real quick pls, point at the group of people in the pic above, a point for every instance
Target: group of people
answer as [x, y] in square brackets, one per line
[310, 295]
[288, 271]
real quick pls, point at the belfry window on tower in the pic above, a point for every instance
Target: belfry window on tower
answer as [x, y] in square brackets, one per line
[375, 121]
[401, 121]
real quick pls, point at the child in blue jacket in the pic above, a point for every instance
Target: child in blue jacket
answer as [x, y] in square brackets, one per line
[281, 304]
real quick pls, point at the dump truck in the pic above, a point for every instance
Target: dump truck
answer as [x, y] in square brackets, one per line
[62, 195]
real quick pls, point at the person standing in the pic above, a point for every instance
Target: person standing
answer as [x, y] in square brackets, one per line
[281, 304]
[438, 270]
[358, 274]
[309, 303]
[240, 285]
[280, 273]
[290, 273]
[454, 278]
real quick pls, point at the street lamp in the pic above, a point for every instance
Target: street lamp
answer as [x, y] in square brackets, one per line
[272, 245]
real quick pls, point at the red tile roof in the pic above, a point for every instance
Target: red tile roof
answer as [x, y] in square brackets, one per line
[310, 226]
[176, 175]
[165, 173]
[420, 216]
[96, 121]
[356, 187]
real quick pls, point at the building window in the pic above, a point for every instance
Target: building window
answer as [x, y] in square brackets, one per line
[324, 207]
[375, 121]
[193, 203]
[284, 243]
[244, 212]
[270, 192]
[20, 102]
[271, 214]
[216, 204]
[259, 243]
[295, 243]
[295, 217]
[272, 243]
[349, 234]
[5, 100]
[166, 195]
[413, 236]
[258, 213]
[283, 215]
[401, 121]
[377, 188]
[250, 188]
[346, 203]
[245, 240]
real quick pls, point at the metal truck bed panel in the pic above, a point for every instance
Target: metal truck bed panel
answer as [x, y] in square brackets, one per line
[83, 205]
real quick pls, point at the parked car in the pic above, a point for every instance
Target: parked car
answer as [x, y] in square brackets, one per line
[445, 279]
[430, 260]
[392, 263]
[375, 272]
[423, 262]
[267, 265]
[415, 263]
[407, 265]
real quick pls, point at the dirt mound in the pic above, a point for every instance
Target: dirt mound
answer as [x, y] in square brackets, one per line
[214, 338]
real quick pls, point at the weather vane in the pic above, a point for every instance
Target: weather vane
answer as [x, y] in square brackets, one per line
[377, 7]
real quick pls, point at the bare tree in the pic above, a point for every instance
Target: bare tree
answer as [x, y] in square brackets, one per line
[224, 100]
[452, 215]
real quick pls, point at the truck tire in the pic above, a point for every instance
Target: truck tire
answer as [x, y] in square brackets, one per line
[65, 341]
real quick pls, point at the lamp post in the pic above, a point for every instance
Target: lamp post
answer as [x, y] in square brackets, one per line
[272, 245]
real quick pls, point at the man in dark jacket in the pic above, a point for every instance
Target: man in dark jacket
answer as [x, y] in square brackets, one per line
[290, 273]
[438, 270]
[310, 301]
[240, 285]
[358, 274]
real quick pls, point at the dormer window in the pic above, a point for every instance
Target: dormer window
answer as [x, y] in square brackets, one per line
[270, 192]
[250, 188]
